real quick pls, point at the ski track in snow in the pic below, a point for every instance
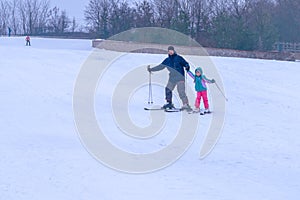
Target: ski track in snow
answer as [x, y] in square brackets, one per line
[41, 156]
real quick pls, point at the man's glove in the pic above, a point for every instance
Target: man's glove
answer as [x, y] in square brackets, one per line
[187, 68]
[149, 69]
[213, 81]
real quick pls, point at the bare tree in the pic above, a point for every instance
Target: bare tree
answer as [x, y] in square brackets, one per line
[221, 30]
[197, 13]
[230, 24]
[237, 24]
[193, 18]
[97, 16]
[166, 12]
[58, 20]
[14, 19]
[43, 13]
[4, 16]
[286, 17]
[121, 17]
[74, 25]
[261, 24]
[64, 21]
[33, 14]
[144, 14]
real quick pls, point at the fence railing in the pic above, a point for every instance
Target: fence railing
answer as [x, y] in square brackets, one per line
[286, 47]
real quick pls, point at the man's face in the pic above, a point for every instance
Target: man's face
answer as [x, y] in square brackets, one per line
[171, 52]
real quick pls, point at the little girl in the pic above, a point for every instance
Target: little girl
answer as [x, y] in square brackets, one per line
[200, 81]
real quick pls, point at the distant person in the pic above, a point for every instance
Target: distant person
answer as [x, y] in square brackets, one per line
[9, 31]
[27, 39]
[176, 66]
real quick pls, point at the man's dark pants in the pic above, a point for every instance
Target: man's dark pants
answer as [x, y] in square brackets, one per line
[180, 88]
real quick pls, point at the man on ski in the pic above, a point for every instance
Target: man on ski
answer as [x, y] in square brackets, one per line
[176, 66]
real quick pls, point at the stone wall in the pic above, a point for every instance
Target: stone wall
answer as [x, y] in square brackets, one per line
[122, 46]
[286, 56]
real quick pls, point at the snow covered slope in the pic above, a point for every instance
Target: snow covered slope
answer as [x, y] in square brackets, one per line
[42, 157]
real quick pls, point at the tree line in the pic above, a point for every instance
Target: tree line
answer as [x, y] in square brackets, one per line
[234, 24]
[33, 17]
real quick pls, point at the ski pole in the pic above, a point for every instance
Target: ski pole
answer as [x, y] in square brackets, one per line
[185, 75]
[150, 98]
[221, 91]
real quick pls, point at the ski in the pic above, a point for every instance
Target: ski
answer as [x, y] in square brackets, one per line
[205, 113]
[194, 112]
[173, 110]
[200, 112]
[166, 110]
[153, 108]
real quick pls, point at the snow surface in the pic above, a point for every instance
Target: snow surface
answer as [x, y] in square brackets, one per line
[42, 157]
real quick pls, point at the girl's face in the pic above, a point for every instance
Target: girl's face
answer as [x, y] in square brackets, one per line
[198, 73]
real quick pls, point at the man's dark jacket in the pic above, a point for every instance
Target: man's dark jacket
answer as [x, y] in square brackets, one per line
[176, 65]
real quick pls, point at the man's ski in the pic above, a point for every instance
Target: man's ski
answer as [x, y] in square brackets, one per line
[153, 108]
[166, 110]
